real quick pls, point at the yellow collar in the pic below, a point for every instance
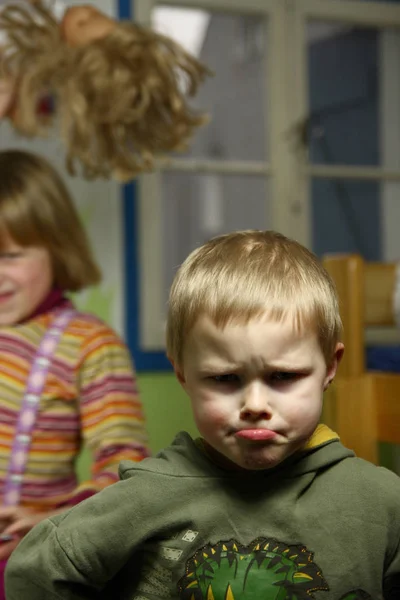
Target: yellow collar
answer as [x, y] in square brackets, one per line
[321, 435]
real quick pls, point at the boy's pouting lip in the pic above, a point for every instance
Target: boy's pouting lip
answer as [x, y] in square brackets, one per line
[255, 435]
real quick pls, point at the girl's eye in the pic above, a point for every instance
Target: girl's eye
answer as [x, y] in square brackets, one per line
[10, 255]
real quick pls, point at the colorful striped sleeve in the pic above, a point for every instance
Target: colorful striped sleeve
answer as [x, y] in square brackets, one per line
[112, 421]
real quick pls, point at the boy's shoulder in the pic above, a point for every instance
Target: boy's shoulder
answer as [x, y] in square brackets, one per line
[335, 464]
[366, 471]
[351, 481]
[372, 484]
[182, 458]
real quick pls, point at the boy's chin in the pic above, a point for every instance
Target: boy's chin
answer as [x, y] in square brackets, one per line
[247, 461]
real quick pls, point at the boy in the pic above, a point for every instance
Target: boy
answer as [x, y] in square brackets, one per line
[267, 504]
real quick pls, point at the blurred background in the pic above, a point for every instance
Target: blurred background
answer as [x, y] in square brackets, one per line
[304, 138]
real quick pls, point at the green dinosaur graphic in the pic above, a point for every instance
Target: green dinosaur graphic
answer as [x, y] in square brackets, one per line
[264, 570]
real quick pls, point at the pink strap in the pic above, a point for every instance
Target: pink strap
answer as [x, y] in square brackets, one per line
[30, 406]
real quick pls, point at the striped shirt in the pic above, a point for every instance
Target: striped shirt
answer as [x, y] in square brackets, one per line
[90, 397]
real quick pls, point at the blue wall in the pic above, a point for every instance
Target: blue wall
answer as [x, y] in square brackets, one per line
[144, 361]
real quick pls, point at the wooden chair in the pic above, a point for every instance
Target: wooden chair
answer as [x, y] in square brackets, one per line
[363, 407]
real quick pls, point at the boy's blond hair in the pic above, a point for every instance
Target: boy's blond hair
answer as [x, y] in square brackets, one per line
[37, 210]
[246, 274]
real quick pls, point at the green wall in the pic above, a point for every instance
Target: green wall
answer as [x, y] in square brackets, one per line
[167, 410]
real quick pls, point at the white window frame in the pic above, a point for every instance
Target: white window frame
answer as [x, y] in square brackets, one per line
[353, 12]
[288, 171]
[367, 14]
[152, 310]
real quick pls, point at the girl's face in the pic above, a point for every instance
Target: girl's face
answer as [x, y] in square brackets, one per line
[26, 278]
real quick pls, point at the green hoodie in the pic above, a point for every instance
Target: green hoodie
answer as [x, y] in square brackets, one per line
[323, 525]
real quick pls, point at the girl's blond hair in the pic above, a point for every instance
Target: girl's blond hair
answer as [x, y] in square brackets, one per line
[247, 274]
[119, 101]
[37, 210]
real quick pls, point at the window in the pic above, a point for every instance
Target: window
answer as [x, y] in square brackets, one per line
[271, 156]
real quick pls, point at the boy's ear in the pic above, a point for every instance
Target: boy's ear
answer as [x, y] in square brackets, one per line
[178, 373]
[331, 370]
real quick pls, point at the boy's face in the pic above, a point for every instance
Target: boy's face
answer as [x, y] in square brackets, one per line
[256, 389]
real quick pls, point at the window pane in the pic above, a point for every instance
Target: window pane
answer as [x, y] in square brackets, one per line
[198, 207]
[347, 217]
[234, 47]
[353, 98]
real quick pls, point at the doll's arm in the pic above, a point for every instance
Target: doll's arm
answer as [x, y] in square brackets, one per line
[16, 19]
[7, 94]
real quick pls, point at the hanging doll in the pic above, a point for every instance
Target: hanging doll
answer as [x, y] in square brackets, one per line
[117, 92]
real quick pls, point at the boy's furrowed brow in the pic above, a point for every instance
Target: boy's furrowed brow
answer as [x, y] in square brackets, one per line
[287, 366]
[218, 367]
[262, 365]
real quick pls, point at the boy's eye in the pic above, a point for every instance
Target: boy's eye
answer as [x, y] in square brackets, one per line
[226, 378]
[283, 376]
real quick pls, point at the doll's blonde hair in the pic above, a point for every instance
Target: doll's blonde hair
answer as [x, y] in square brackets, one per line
[247, 274]
[119, 100]
[37, 210]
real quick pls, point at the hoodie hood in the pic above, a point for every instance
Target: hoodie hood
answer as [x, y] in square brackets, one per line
[323, 450]
[188, 458]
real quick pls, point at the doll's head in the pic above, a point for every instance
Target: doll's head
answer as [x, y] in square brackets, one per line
[36, 211]
[84, 24]
[120, 91]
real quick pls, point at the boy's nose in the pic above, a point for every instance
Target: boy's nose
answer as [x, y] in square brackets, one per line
[255, 403]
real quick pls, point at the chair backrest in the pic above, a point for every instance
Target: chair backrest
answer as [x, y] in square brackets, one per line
[366, 294]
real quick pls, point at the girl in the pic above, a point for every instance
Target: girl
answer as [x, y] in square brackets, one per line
[65, 377]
